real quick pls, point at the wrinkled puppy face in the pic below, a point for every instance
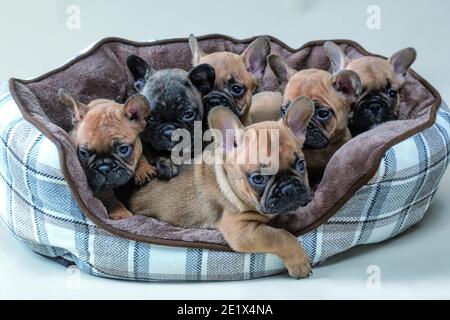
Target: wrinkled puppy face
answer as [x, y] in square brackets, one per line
[237, 76]
[175, 98]
[332, 97]
[274, 184]
[106, 136]
[381, 80]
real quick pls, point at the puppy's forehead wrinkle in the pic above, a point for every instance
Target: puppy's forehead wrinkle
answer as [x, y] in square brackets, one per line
[170, 92]
[287, 144]
[228, 64]
[103, 125]
[374, 72]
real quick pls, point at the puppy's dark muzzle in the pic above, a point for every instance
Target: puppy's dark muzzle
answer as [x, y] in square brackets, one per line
[378, 107]
[220, 98]
[370, 112]
[287, 197]
[106, 173]
[315, 138]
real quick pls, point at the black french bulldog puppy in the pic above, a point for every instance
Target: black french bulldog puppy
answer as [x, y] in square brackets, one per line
[175, 98]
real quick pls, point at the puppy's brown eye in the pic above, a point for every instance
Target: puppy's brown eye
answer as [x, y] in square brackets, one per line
[392, 93]
[237, 90]
[323, 114]
[124, 150]
[84, 154]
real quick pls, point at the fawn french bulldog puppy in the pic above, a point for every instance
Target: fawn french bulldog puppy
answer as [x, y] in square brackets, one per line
[237, 76]
[175, 98]
[239, 197]
[381, 81]
[333, 95]
[106, 137]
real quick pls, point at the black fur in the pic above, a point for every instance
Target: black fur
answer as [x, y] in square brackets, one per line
[173, 94]
[371, 111]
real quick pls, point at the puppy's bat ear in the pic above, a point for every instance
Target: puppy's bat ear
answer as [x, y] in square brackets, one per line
[137, 108]
[78, 109]
[402, 60]
[283, 72]
[203, 78]
[197, 53]
[140, 69]
[226, 127]
[298, 115]
[255, 56]
[347, 84]
[336, 55]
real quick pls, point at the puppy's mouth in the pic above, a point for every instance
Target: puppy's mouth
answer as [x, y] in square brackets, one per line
[370, 112]
[221, 98]
[315, 137]
[286, 197]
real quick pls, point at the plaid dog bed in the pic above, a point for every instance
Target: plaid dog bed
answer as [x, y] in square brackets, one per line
[38, 208]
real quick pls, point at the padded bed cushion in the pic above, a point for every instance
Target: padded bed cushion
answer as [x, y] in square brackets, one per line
[102, 73]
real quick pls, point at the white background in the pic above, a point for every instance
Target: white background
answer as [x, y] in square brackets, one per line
[35, 39]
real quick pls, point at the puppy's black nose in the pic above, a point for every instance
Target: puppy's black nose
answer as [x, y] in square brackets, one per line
[217, 98]
[104, 165]
[375, 107]
[217, 101]
[104, 169]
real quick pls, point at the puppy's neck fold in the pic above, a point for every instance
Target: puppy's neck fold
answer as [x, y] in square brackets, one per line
[225, 187]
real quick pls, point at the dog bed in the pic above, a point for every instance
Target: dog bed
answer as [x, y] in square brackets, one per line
[376, 186]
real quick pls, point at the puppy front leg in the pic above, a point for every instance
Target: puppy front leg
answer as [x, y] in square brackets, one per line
[144, 172]
[248, 233]
[115, 208]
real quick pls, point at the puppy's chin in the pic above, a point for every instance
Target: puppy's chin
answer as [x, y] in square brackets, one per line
[315, 138]
[116, 178]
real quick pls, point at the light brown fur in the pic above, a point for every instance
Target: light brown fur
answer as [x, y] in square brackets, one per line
[376, 74]
[98, 127]
[246, 68]
[317, 85]
[219, 195]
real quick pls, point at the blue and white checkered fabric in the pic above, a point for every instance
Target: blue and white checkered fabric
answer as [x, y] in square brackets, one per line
[37, 206]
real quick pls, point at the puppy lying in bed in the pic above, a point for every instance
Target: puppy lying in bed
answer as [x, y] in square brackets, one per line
[381, 80]
[238, 197]
[106, 137]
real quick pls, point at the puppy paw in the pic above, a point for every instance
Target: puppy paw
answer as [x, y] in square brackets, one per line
[299, 268]
[144, 174]
[166, 169]
[120, 215]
